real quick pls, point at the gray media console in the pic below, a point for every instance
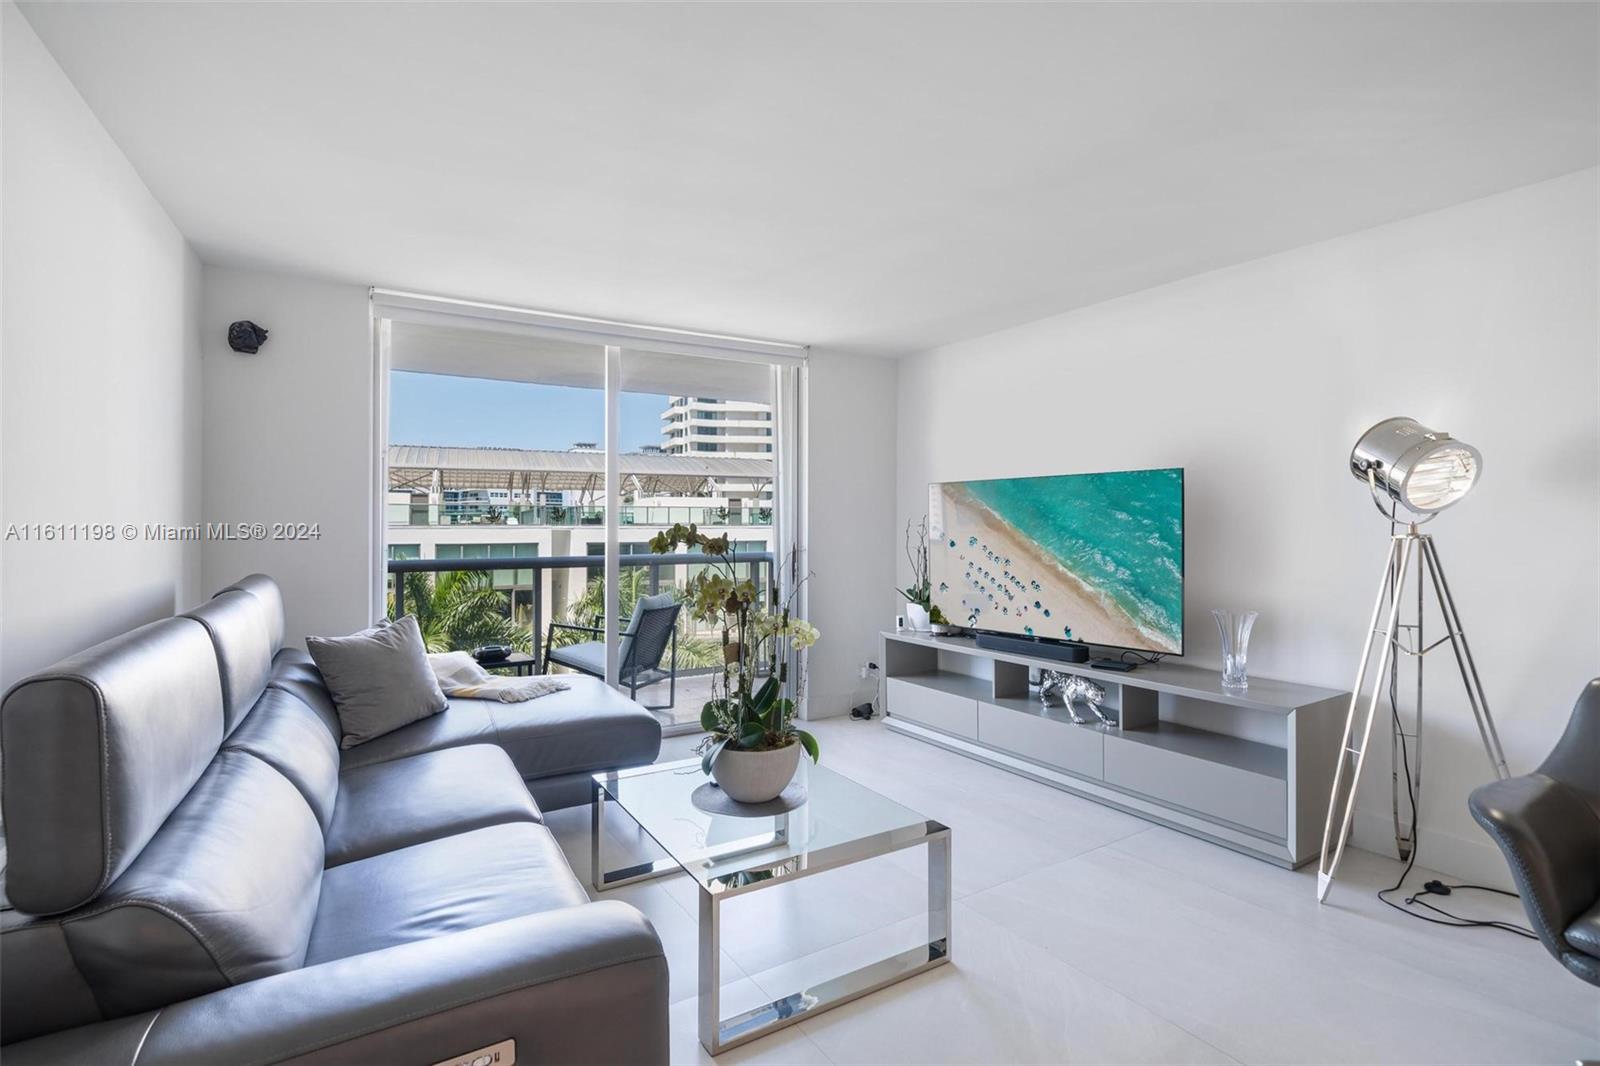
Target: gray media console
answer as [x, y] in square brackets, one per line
[1250, 770]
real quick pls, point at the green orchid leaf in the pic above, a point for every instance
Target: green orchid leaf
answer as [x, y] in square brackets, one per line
[809, 742]
[708, 716]
[764, 697]
[711, 756]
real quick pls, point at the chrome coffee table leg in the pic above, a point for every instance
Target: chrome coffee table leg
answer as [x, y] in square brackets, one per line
[718, 1034]
[599, 876]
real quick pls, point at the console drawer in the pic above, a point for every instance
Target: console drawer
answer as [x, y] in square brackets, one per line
[1245, 788]
[936, 707]
[1053, 741]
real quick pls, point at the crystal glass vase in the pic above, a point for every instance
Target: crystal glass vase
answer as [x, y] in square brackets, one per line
[1235, 629]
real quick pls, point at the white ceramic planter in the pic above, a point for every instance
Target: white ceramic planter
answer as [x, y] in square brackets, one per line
[756, 776]
[917, 617]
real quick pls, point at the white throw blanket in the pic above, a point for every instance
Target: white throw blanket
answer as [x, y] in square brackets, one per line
[460, 675]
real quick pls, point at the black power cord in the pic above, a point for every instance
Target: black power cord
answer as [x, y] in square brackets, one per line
[1438, 888]
[1139, 658]
[865, 712]
[1435, 887]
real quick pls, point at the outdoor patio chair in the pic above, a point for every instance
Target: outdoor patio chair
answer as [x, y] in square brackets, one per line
[651, 631]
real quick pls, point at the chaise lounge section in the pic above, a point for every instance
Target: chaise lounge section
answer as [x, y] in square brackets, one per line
[201, 875]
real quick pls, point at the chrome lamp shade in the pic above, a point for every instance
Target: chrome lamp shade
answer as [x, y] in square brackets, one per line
[1422, 469]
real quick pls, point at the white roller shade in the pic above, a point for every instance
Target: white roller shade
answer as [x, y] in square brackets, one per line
[444, 311]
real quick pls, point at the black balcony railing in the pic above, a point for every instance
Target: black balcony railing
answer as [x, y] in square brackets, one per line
[760, 568]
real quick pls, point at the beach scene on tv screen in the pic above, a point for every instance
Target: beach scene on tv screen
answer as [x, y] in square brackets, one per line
[1095, 558]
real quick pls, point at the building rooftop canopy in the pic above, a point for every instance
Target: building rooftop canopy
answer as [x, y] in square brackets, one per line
[412, 467]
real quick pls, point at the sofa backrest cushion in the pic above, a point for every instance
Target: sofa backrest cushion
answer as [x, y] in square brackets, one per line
[242, 629]
[98, 750]
[266, 590]
[292, 669]
[292, 736]
[224, 893]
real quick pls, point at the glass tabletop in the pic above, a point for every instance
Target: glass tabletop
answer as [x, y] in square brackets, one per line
[838, 822]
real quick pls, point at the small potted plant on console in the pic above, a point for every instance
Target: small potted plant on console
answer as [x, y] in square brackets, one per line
[922, 614]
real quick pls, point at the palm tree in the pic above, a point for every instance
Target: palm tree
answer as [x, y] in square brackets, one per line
[460, 610]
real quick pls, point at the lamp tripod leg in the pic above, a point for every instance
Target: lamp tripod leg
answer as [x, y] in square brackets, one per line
[1342, 802]
[1405, 749]
[1463, 652]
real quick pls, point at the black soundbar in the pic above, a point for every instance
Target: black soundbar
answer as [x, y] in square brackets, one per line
[1041, 649]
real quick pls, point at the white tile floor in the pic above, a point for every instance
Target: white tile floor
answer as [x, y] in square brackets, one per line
[1085, 935]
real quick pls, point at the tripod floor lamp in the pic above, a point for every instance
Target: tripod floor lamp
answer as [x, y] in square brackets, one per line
[1405, 465]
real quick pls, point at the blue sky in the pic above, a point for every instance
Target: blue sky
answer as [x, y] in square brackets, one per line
[476, 412]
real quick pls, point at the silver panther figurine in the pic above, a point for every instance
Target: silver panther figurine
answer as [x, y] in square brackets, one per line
[1090, 693]
[1056, 685]
[1050, 685]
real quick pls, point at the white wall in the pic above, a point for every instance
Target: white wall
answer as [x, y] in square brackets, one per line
[1479, 319]
[100, 374]
[288, 436]
[850, 446]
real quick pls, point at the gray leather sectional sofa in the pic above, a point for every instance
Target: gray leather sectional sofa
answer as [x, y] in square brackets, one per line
[200, 875]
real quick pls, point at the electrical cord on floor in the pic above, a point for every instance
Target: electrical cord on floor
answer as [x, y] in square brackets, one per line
[1433, 888]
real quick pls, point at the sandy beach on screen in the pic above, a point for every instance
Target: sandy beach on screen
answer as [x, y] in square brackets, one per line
[1069, 600]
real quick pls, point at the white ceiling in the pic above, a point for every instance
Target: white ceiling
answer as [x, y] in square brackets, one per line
[873, 177]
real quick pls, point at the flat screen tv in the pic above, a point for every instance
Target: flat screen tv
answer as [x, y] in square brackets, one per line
[1087, 558]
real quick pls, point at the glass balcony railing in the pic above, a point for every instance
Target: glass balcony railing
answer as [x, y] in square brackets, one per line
[548, 515]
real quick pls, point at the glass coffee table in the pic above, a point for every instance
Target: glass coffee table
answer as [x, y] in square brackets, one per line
[726, 855]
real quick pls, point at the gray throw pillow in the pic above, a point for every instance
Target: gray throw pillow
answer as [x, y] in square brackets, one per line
[379, 678]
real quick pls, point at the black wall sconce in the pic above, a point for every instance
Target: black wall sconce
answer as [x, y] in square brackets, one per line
[247, 337]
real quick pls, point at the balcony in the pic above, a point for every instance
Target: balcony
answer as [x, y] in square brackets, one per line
[462, 604]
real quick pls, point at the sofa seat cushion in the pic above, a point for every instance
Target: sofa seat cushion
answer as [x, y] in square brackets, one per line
[588, 727]
[392, 805]
[440, 887]
[464, 722]
[591, 726]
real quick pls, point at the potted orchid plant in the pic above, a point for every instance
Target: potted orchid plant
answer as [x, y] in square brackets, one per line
[753, 746]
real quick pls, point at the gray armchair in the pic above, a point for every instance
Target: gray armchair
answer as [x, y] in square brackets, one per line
[651, 633]
[1547, 825]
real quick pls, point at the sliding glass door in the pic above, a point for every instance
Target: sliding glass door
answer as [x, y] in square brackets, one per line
[699, 451]
[525, 470]
[494, 455]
